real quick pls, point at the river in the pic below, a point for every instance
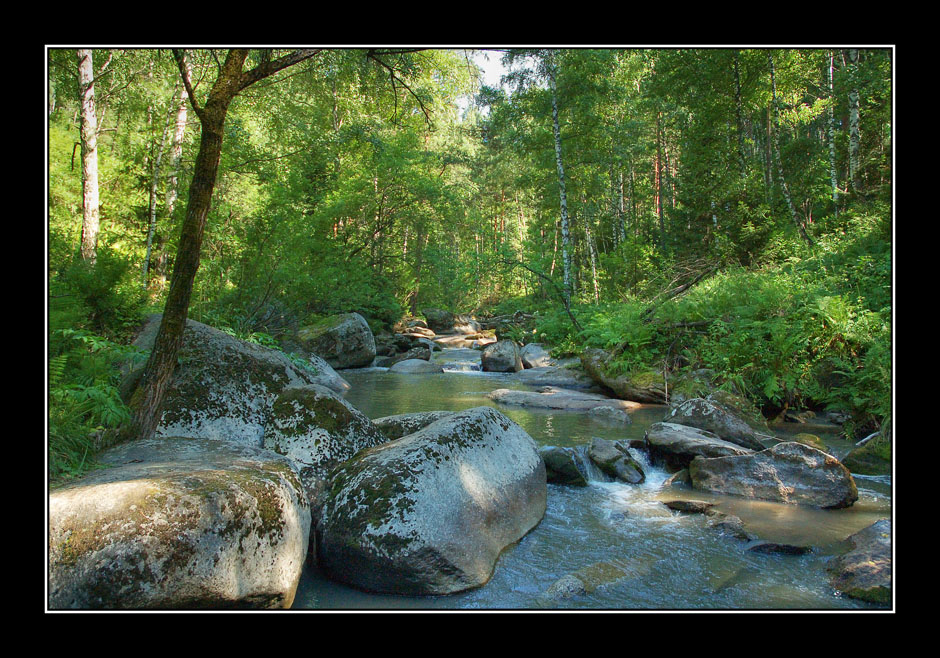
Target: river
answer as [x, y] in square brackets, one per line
[678, 562]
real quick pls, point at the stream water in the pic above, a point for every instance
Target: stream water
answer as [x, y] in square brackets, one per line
[677, 561]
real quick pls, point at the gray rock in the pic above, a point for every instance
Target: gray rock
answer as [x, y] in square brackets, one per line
[415, 367]
[610, 414]
[395, 427]
[317, 429]
[705, 414]
[431, 512]
[179, 523]
[223, 387]
[344, 341]
[560, 376]
[562, 466]
[439, 320]
[501, 356]
[550, 397]
[615, 460]
[788, 472]
[534, 355]
[864, 572]
[677, 445]
[640, 387]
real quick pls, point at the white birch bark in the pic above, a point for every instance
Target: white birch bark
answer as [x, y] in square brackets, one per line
[832, 138]
[89, 139]
[565, 228]
[854, 136]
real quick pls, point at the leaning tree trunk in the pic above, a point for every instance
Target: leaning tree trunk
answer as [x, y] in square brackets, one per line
[147, 400]
[89, 138]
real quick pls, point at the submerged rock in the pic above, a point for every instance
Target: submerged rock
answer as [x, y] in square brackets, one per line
[223, 387]
[595, 576]
[865, 571]
[344, 341]
[430, 513]
[179, 523]
[550, 397]
[788, 473]
[416, 367]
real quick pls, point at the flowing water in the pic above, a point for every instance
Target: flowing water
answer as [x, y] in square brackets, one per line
[634, 552]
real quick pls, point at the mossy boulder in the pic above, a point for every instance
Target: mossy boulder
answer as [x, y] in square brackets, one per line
[317, 429]
[223, 387]
[707, 415]
[639, 386]
[430, 513]
[872, 458]
[864, 572]
[179, 523]
[439, 320]
[788, 472]
[343, 341]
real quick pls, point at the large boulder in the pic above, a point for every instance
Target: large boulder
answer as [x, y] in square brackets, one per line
[344, 341]
[640, 387]
[395, 427]
[676, 446]
[317, 429]
[430, 513]
[871, 458]
[179, 523]
[865, 571]
[788, 472]
[223, 387]
[707, 415]
[501, 356]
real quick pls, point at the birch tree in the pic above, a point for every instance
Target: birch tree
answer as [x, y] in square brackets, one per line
[89, 140]
[550, 69]
[854, 134]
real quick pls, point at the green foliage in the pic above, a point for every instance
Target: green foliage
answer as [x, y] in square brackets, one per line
[84, 402]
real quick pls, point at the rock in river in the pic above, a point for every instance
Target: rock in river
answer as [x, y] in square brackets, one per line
[788, 472]
[179, 523]
[865, 571]
[430, 513]
[223, 387]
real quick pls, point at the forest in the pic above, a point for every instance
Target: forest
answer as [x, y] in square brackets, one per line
[720, 208]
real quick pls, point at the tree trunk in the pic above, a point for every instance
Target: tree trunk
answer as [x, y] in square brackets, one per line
[776, 145]
[565, 228]
[154, 188]
[89, 138]
[832, 139]
[147, 400]
[854, 136]
[742, 161]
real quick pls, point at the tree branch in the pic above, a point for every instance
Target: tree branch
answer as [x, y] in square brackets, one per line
[393, 76]
[269, 67]
[180, 57]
